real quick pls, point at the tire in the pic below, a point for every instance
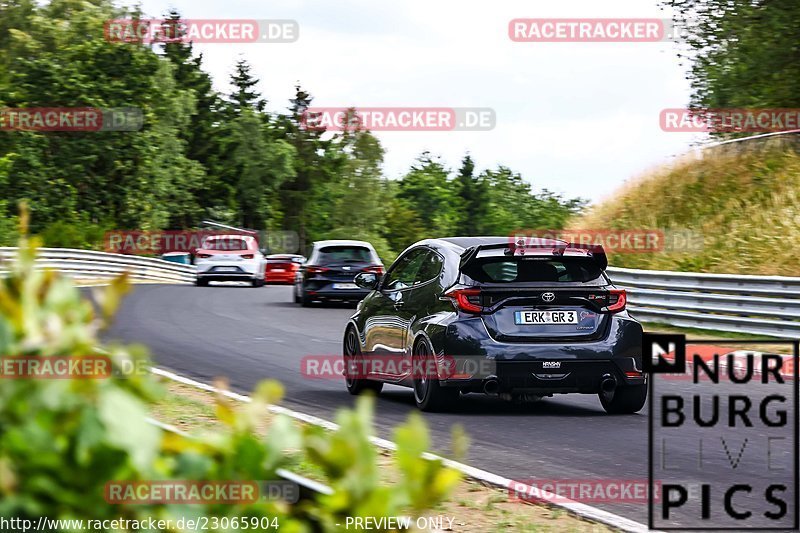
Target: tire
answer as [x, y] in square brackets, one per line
[200, 282]
[429, 395]
[305, 300]
[351, 351]
[624, 400]
[257, 282]
[296, 297]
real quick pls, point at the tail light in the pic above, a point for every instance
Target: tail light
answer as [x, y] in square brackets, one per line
[248, 256]
[201, 255]
[375, 269]
[467, 300]
[316, 270]
[617, 298]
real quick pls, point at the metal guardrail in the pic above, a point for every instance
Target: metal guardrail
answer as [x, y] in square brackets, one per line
[761, 305]
[87, 264]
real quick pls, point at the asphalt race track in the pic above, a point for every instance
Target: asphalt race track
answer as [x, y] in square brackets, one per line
[247, 335]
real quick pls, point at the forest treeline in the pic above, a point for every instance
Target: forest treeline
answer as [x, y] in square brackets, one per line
[203, 154]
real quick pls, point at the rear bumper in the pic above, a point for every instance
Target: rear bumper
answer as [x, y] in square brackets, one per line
[575, 376]
[227, 277]
[229, 269]
[548, 367]
[279, 277]
[223, 274]
[329, 293]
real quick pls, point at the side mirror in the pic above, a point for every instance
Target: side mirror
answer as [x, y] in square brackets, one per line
[367, 280]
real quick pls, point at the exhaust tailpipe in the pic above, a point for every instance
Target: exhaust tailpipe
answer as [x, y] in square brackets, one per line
[491, 386]
[608, 383]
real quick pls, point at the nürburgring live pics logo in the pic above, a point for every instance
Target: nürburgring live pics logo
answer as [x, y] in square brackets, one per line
[723, 442]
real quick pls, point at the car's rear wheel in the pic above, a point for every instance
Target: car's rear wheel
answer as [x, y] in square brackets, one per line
[353, 367]
[200, 282]
[300, 296]
[624, 400]
[258, 282]
[429, 394]
[305, 299]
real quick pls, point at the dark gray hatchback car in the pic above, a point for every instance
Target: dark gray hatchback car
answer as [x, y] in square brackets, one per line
[488, 315]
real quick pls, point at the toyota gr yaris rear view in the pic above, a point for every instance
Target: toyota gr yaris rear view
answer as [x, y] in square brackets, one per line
[484, 315]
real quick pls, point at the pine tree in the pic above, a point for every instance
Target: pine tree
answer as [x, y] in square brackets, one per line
[206, 131]
[245, 94]
[474, 193]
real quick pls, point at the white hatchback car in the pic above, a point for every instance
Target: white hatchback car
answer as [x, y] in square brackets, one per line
[230, 258]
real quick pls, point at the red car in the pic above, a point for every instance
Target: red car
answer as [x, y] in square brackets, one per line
[281, 268]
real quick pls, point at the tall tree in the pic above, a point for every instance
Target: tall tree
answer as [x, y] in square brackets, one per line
[244, 94]
[473, 194]
[360, 190]
[513, 206]
[262, 164]
[316, 165]
[743, 53]
[208, 128]
[60, 58]
[432, 195]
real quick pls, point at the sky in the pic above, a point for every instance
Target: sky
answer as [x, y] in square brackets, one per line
[575, 118]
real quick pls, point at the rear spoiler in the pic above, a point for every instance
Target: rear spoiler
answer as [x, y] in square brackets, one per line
[519, 249]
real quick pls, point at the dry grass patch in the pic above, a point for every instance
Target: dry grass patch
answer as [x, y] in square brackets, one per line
[473, 506]
[744, 200]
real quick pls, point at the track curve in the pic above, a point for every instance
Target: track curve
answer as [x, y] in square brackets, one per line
[246, 335]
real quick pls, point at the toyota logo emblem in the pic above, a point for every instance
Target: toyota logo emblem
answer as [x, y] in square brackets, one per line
[548, 296]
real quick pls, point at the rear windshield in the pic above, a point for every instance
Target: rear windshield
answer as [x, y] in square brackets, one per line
[344, 254]
[224, 243]
[528, 270]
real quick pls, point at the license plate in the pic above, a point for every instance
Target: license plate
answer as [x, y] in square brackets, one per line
[345, 286]
[227, 269]
[277, 270]
[545, 317]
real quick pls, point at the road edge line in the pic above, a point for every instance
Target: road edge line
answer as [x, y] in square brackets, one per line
[581, 510]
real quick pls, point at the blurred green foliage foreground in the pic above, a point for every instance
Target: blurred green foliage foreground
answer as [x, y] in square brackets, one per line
[62, 440]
